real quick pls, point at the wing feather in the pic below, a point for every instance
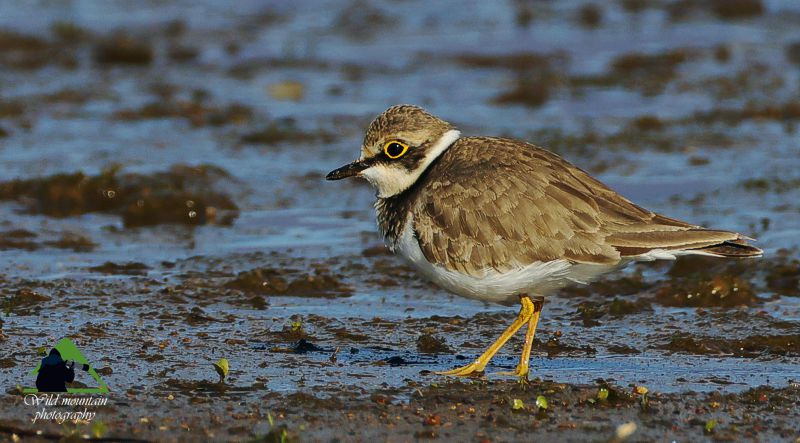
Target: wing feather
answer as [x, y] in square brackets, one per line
[499, 204]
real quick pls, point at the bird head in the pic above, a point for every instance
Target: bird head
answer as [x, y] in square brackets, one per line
[398, 147]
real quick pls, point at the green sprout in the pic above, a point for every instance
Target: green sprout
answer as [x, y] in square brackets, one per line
[99, 429]
[222, 367]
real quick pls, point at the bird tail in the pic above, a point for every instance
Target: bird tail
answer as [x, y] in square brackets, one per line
[731, 248]
[697, 241]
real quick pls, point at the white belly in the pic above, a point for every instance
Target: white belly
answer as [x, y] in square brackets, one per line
[539, 278]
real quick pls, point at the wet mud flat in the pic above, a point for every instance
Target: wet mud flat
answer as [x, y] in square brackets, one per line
[306, 363]
[162, 204]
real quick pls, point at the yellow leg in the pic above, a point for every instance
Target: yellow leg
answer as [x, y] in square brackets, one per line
[524, 359]
[525, 313]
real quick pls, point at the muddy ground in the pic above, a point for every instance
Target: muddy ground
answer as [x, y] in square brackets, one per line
[162, 204]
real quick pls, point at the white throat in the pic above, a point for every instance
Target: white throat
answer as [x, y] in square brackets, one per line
[391, 181]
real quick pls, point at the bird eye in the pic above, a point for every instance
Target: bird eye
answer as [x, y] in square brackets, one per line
[395, 149]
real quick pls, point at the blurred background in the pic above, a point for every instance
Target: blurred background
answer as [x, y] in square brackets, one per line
[688, 107]
[162, 164]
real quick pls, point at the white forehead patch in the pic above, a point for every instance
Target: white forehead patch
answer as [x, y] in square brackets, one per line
[391, 180]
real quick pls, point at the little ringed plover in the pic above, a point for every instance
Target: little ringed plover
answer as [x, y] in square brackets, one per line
[505, 221]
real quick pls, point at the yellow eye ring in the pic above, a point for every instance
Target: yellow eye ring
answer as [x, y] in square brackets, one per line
[395, 149]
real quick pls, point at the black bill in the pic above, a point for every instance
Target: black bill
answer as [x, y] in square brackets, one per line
[349, 170]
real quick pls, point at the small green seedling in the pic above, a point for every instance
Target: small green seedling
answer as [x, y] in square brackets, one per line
[222, 367]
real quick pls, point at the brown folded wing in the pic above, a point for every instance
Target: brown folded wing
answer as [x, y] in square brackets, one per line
[492, 203]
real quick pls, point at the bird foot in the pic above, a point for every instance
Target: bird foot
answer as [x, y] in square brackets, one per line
[471, 370]
[521, 372]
